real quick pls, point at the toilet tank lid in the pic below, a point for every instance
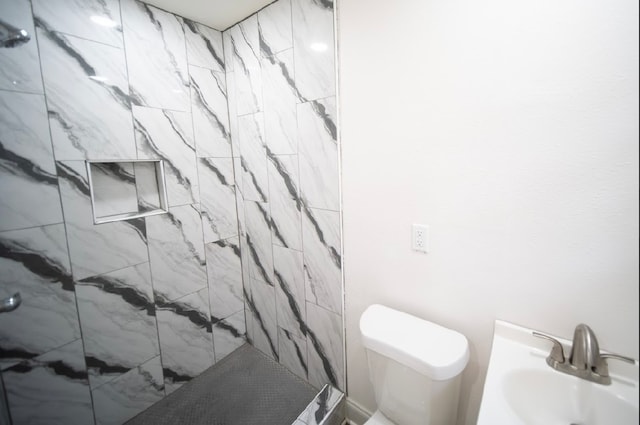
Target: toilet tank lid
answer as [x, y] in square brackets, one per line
[430, 349]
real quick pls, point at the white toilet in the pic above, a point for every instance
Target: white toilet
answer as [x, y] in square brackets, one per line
[414, 366]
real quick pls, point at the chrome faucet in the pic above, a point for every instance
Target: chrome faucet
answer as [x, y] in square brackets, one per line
[585, 360]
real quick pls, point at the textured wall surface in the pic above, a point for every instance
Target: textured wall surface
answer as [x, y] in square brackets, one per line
[511, 128]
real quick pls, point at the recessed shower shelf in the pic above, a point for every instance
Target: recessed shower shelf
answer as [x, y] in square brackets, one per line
[126, 189]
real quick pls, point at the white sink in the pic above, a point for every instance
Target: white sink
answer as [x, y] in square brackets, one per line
[521, 388]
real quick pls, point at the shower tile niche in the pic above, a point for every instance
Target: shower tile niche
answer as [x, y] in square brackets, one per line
[126, 190]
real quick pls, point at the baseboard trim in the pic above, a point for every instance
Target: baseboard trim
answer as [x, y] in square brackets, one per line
[356, 414]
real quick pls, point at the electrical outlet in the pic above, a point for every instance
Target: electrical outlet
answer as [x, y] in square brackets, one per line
[420, 238]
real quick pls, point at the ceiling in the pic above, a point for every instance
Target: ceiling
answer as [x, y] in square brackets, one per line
[218, 14]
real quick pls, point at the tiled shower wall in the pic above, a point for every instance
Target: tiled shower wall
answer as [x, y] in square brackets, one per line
[282, 109]
[114, 316]
[117, 315]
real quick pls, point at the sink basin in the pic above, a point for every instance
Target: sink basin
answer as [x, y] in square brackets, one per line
[521, 388]
[548, 397]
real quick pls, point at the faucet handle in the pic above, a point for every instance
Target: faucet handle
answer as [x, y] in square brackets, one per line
[618, 357]
[556, 356]
[602, 368]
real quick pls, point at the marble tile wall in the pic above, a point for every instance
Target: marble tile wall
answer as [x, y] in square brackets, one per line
[117, 315]
[282, 121]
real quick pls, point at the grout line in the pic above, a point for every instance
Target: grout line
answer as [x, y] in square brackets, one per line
[23, 91]
[36, 226]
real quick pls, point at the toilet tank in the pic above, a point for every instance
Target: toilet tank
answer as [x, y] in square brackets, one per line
[414, 366]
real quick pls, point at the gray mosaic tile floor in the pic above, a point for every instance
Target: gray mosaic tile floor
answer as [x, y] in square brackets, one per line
[245, 388]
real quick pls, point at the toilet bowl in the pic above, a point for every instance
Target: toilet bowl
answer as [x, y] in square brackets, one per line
[415, 367]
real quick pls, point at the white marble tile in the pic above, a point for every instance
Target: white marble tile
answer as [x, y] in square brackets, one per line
[168, 135]
[156, 56]
[319, 170]
[229, 334]
[117, 315]
[276, 33]
[204, 46]
[210, 112]
[227, 44]
[176, 252]
[120, 244]
[289, 281]
[20, 65]
[97, 20]
[147, 187]
[169, 388]
[325, 347]
[284, 201]
[322, 258]
[254, 157]
[314, 48]
[50, 389]
[293, 352]
[232, 101]
[262, 305]
[218, 200]
[225, 278]
[35, 263]
[258, 240]
[285, 222]
[87, 97]
[283, 176]
[248, 317]
[280, 100]
[120, 400]
[185, 337]
[29, 191]
[324, 405]
[114, 188]
[245, 48]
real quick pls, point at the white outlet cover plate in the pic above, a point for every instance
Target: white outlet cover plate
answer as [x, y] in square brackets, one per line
[420, 238]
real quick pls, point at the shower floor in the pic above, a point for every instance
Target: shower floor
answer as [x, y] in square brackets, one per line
[244, 388]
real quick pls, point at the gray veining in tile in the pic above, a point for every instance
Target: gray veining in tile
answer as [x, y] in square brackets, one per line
[274, 23]
[218, 201]
[117, 315]
[319, 172]
[87, 97]
[122, 243]
[35, 262]
[20, 66]
[229, 334]
[176, 252]
[325, 347]
[168, 135]
[51, 388]
[130, 394]
[210, 113]
[225, 278]
[29, 191]
[156, 56]
[204, 46]
[322, 258]
[96, 20]
[185, 337]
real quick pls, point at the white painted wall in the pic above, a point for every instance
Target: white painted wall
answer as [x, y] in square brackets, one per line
[511, 128]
